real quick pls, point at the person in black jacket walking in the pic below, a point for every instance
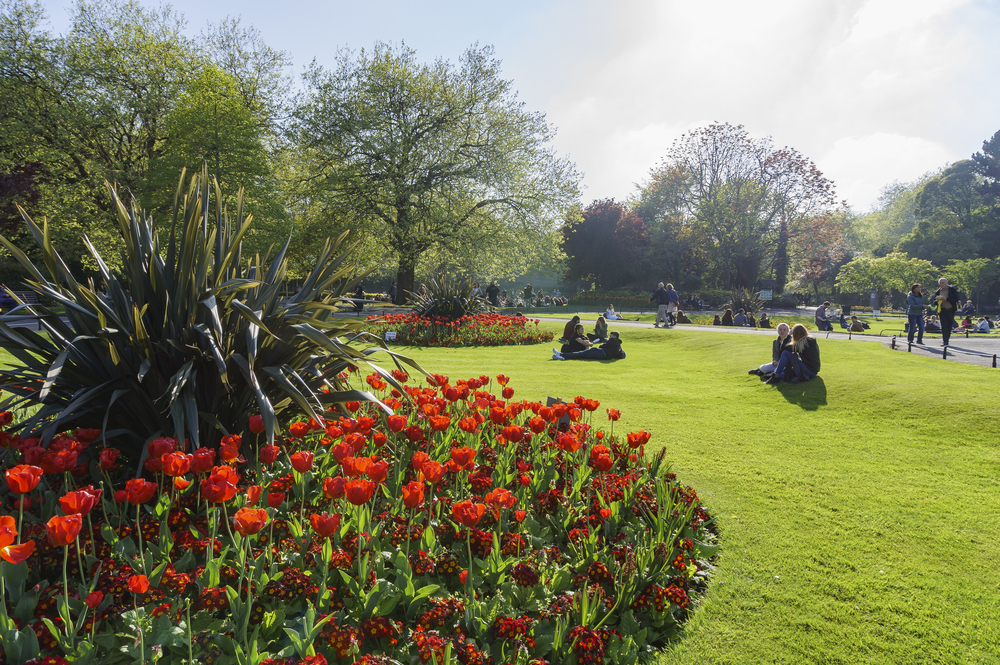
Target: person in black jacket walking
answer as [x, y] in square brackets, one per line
[799, 357]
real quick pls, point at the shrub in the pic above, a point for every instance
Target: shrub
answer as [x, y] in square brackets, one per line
[187, 339]
[479, 330]
[448, 298]
[465, 523]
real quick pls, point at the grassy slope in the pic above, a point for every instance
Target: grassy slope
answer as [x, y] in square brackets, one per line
[859, 512]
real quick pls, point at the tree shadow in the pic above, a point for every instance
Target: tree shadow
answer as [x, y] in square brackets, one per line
[809, 395]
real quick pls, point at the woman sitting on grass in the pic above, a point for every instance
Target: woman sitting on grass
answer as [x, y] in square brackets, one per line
[570, 327]
[776, 345]
[600, 333]
[610, 350]
[578, 341]
[682, 317]
[727, 318]
[716, 321]
[610, 314]
[799, 360]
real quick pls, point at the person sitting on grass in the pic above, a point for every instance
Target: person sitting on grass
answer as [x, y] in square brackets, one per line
[578, 342]
[776, 345]
[799, 360]
[727, 318]
[931, 324]
[610, 315]
[856, 326]
[568, 330]
[716, 321]
[982, 326]
[764, 322]
[741, 318]
[752, 322]
[843, 322]
[967, 324]
[610, 350]
[600, 333]
[682, 317]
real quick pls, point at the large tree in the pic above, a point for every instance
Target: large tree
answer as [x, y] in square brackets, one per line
[605, 244]
[439, 160]
[740, 191]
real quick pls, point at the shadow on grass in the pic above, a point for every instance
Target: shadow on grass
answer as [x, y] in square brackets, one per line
[809, 395]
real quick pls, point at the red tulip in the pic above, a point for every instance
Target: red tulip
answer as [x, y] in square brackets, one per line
[94, 599]
[637, 439]
[508, 393]
[614, 414]
[333, 488]
[161, 446]
[500, 498]
[108, 457]
[468, 513]
[359, 492]
[63, 530]
[217, 488]
[440, 423]
[433, 471]
[16, 554]
[413, 494]
[257, 424]
[138, 584]
[302, 461]
[326, 524]
[203, 460]
[519, 515]
[139, 491]
[275, 499]
[299, 430]
[8, 530]
[248, 521]
[228, 453]
[80, 502]
[23, 478]
[58, 462]
[253, 494]
[176, 464]
[180, 484]
[464, 458]
[356, 466]
[268, 454]
[377, 471]
[418, 459]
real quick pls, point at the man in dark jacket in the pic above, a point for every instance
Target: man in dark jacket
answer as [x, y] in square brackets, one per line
[662, 298]
[610, 350]
[493, 294]
[947, 301]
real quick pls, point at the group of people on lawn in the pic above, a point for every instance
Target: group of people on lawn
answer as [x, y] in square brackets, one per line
[579, 345]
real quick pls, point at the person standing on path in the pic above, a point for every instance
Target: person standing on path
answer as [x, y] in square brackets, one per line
[493, 294]
[915, 306]
[674, 303]
[947, 300]
[662, 299]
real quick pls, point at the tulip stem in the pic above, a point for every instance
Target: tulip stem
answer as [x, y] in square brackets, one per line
[138, 533]
[79, 559]
[138, 627]
[69, 621]
[20, 517]
[468, 578]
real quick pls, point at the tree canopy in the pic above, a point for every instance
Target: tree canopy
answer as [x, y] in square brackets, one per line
[439, 161]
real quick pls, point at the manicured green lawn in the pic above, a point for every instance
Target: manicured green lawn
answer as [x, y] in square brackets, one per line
[859, 513]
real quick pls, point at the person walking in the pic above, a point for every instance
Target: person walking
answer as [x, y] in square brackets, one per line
[662, 299]
[673, 305]
[915, 306]
[392, 294]
[493, 294]
[947, 300]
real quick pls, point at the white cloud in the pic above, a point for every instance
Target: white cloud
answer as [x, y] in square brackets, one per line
[862, 165]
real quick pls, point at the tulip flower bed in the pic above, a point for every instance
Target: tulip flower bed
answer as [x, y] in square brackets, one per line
[462, 526]
[477, 330]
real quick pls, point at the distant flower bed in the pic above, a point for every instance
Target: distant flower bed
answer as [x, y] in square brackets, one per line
[478, 330]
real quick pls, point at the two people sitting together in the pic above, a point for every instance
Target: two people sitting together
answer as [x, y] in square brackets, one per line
[794, 356]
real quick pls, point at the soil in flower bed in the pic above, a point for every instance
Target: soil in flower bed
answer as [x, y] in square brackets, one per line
[476, 330]
[463, 526]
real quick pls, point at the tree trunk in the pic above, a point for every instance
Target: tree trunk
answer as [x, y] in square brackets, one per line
[405, 277]
[781, 258]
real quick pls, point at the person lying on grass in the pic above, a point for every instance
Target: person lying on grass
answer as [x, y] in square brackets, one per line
[776, 347]
[610, 350]
[799, 360]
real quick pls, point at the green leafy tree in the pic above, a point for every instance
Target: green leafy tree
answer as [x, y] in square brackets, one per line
[432, 158]
[893, 216]
[893, 272]
[973, 276]
[740, 191]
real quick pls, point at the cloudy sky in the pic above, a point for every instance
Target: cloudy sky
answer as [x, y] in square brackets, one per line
[873, 91]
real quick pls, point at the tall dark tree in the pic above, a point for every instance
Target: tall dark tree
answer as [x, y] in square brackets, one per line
[988, 167]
